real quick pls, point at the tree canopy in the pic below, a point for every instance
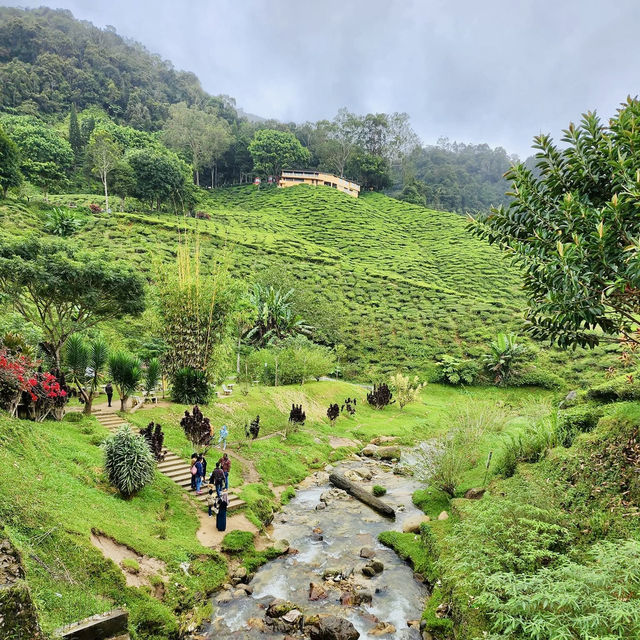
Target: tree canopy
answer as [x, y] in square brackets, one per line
[63, 291]
[575, 230]
[272, 151]
[10, 175]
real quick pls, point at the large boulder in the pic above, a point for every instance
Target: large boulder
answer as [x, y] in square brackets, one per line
[388, 453]
[412, 523]
[333, 628]
[370, 451]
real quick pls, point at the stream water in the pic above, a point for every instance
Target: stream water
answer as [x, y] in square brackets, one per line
[347, 525]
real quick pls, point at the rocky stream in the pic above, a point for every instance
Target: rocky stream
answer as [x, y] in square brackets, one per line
[337, 582]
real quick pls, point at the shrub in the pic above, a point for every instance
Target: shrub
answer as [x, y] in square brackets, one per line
[154, 436]
[126, 372]
[95, 208]
[507, 536]
[380, 396]
[538, 378]
[505, 358]
[152, 374]
[237, 541]
[530, 445]
[62, 222]
[297, 360]
[128, 461]
[406, 389]
[197, 428]
[253, 429]
[190, 386]
[297, 415]
[333, 412]
[580, 419]
[454, 371]
[590, 599]
[442, 463]
[378, 491]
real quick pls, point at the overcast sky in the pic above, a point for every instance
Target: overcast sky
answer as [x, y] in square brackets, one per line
[495, 71]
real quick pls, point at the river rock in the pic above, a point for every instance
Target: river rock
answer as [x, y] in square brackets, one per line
[317, 537]
[257, 624]
[363, 597]
[293, 616]
[224, 598]
[412, 523]
[382, 628]
[320, 506]
[475, 493]
[388, 453]
[367, 552]
[333, 628]
[443, 516]
[279, 608]
[227, 587]
[370, 451]
[368, 571]
[322, 477]
[331, 573]
[377, 566]
[239, 575]
[317, 591]
[239, 593]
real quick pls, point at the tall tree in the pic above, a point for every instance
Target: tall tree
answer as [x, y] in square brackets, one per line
[122, 181]
[10, 175]
[63, 291]
[104, 154]
[46, 157]
[272, 151]
[75, 137]
[575, 231]
[201, 136]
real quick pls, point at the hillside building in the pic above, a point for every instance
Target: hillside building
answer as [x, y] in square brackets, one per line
[292, 178]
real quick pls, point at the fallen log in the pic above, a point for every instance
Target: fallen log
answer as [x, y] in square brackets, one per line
[338, 480]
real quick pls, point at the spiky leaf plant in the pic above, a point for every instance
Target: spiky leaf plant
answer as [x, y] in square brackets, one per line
[126, 373]
[152, 374]
[128, 461]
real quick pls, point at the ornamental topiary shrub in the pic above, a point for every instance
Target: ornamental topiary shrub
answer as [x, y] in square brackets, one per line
[380, 396]
[128, 461]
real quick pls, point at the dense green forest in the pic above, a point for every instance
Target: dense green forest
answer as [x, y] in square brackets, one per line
[51, 64]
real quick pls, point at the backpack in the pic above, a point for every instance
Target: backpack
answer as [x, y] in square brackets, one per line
[194, 470]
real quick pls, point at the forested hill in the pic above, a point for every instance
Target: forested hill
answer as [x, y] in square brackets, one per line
[49, 60]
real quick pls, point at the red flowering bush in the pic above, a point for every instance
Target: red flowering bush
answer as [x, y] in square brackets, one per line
[95, 208]
[22, 384]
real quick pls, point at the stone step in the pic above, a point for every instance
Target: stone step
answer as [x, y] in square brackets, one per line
[179, 476]
[169, 463]
[172, 469]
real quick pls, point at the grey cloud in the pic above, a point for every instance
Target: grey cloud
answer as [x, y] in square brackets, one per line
[496, 71]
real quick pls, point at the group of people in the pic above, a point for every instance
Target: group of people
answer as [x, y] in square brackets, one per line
[219, 478]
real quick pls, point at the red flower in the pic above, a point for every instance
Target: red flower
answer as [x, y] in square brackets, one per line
[63, 393]
[32, 382]
[34, 397]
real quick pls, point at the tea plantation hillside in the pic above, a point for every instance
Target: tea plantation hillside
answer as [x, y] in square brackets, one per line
[410, 283]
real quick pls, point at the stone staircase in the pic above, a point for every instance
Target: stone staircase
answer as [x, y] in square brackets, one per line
[172, 466]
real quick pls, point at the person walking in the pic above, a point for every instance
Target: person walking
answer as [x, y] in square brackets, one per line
[221, 517]
[109, 391]
[211, 502]
[194, 470]
[217, 479]
[203, 460]
[225, 465]
[222, 437]
[198, 466]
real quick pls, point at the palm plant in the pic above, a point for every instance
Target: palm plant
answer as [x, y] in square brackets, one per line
[505, 357]
[275, 317]
[86, 362]
[126, 373]
[152, 374]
